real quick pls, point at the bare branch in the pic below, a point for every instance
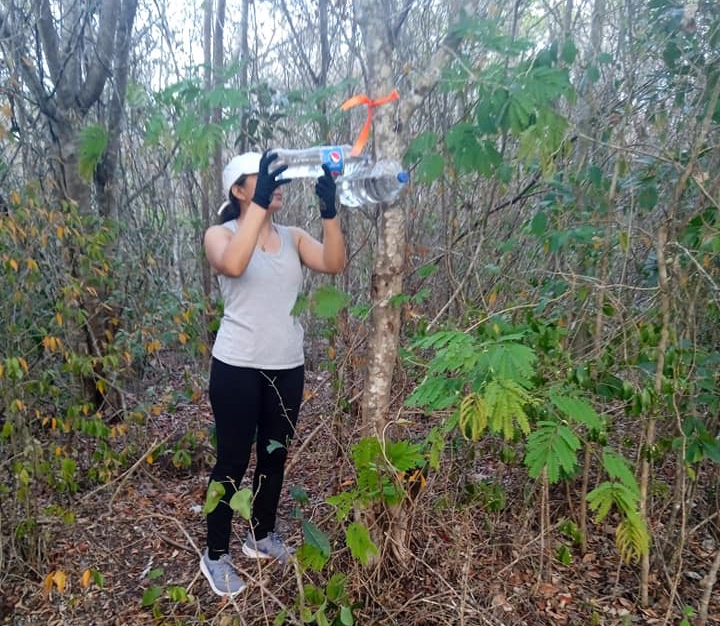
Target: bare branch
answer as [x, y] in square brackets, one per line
[101, 66]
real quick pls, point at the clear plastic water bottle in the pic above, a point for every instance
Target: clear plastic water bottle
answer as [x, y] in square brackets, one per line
[308, 162]
[370, 184]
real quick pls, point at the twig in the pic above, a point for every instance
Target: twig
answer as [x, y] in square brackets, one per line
[697, 527]
[124, 476]
[709, 583]
[527, 545]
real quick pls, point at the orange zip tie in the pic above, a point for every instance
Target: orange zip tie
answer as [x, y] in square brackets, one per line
[371, 104]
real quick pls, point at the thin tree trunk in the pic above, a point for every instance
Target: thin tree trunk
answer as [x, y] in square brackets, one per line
[650, 429]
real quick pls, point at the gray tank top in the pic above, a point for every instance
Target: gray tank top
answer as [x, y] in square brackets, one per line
[257, 329]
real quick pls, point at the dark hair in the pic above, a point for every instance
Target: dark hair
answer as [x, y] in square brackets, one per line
[232, 210]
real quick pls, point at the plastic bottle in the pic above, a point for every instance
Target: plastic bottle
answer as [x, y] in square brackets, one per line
[308, 162]
[370, 184]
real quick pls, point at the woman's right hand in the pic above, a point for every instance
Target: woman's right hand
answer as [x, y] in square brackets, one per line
[267, 182]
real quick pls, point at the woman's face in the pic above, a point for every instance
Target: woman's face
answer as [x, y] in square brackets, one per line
[247, 191]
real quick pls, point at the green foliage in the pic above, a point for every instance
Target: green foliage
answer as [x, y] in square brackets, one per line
[325, 607]
[241, 502]
[93, 142]
[215, 492]
[506, 402]
[499, 371]
[552, 446]
[357, 538]
[631, 535]
[325, 303]
[314, 537]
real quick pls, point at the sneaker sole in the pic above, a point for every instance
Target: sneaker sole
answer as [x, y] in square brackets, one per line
[206, 573]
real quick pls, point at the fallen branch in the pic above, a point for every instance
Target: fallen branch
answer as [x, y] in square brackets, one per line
[708, 583]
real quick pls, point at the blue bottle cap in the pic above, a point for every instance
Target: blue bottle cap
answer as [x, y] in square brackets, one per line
[403, 177]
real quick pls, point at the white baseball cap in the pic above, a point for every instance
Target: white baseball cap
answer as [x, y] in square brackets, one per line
[240, 165]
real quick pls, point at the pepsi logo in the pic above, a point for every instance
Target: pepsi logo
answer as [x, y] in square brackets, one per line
[335, 156]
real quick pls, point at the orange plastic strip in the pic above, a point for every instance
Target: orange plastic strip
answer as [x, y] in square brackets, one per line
[371, 104]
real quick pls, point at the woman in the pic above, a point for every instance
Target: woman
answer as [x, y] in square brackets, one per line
[257, 370]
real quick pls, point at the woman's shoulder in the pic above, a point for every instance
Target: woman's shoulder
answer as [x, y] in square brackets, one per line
[225, 227]
[295, 233]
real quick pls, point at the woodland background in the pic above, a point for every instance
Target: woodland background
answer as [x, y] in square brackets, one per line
[513, 401]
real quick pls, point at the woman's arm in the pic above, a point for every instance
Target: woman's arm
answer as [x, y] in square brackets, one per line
[327, 257]
[229, 253]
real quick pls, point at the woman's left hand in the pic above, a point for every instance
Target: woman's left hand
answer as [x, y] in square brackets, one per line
[326, 190]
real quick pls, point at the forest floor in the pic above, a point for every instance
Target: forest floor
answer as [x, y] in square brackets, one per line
[466, 565]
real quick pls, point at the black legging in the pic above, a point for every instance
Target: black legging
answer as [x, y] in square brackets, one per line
[247, 402]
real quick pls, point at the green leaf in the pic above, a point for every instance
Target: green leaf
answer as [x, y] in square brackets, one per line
[346, 616]
[335, 587]
[505, 400]
[404, 455]
[569, 51]
[435, 393]
[311, 557]
[216, 490]
[176, 593]
[552, 446]
[539, 224]
[429, 168]
[93, 142]
[593, 74]
[616, 467]
[274, 445]
[241, 502]
[427, 270]
[357, 538]
[316, 538]
[151, 594]
[343, 502]
[511, 361]
[632, 538]
[155, 573]
[280, 618]
[422, 144]
[301, 304]
[608, 493]
[577, 410]
[299, 495]
[328, 301]
[564, 555]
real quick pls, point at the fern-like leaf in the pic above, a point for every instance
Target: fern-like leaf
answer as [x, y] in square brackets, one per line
[632, 538]
[93, 141]
[617, 468]
[510, 361]
[553, 446]
[435, 393]
[505, 401]
[577, 410]
[608, 493]
[473, 416]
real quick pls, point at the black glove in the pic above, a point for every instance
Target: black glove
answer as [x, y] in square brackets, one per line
[267, 182]
[325, 190]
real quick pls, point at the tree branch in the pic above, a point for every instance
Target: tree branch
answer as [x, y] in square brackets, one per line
[101, 66]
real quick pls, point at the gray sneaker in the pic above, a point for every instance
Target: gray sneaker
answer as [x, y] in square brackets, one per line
[221, 575]
[270, 547]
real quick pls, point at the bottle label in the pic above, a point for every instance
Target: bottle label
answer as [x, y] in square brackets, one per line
[332, 156]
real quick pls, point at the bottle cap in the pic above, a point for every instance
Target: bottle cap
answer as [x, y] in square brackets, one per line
[403, 177]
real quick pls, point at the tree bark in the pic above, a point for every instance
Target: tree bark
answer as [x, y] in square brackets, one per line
[389, 261]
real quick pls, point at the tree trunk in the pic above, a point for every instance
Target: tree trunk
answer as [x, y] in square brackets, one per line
[80, 61]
